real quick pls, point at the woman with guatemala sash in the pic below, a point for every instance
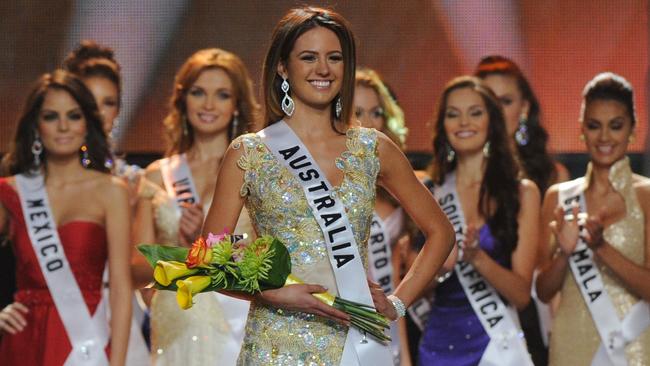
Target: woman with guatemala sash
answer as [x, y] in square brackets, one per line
[596, 243]
[64, 231]
[212, 103]
[375, 107]
[495, 215]
[309, 179]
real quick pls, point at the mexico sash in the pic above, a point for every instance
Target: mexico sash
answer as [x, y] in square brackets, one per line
[341, 245]
[614, 334]
[507, 345]
[178, 181]
[88, 334]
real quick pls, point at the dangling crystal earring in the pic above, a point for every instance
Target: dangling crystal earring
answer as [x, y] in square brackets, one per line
[338, 108]
[234, 125]
[486, 149]
[85, 159]
[451, 154]
[521, 135]
[184, 123]
[287, 103]
[37, 149]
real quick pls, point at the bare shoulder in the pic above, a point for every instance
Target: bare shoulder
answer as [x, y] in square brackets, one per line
[152, 173]
[529, 190]
[562, 172]
[386, 147]
[113, 187]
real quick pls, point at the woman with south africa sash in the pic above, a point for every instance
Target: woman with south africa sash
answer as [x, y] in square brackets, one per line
[595, 242]
[212, 103]
[64, 232]
[495, 216]
[309, 179]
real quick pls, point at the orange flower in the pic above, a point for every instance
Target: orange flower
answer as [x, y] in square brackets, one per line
[199, 255]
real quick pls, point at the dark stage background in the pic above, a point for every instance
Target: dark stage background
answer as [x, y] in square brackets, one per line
[416, 45]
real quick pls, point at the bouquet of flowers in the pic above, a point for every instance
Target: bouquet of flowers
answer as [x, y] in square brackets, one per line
[226, 262]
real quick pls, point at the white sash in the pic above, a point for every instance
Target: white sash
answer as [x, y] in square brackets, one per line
[88, 334]
[177, 177]
[614, 334]
[342, 248]
[381, 270]
[507, 345]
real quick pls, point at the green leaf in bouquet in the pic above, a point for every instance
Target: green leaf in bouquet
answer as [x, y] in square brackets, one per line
[280, 267]
[154, 253]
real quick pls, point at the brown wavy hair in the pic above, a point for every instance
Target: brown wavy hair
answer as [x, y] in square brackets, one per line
[499, 192]
[294, 24]
[20, 159]
[91, 59]
[536, 162]
[208, 59]
[394, 125]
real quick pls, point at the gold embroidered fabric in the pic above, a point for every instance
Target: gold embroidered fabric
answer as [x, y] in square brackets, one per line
[201, 334]
[575, 340]
[277, 206]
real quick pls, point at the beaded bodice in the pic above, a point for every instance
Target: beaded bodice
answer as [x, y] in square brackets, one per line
[573, 320]
[277, 206]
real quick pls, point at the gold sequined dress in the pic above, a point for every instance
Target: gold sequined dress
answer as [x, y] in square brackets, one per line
[574, 339]
[200, 335]
[278, 207]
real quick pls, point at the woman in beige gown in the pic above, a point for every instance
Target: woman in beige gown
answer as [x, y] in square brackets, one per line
[618, 208]
[212, 104]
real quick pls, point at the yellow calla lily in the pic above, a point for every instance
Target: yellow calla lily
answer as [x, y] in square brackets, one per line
[165, 272]
[189, 287]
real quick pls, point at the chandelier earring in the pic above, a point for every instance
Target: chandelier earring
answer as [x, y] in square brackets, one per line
[85, 158]
[486, 149]
[37, 149]
[184, 125]
[234, 125]
[521, 135]
[338, 107]
[631, 139]
[451, 154]
[287, 104]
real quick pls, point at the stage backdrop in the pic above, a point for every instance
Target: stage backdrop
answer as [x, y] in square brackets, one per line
[416, 45]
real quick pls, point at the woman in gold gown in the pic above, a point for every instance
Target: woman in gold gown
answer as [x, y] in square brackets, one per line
[311, 61]
[618, 208]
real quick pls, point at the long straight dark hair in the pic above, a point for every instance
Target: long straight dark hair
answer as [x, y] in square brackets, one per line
[20, 159]
[499, 192]
[294, 24]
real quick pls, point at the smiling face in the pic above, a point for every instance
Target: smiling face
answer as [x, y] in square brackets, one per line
[61, 124]
[314, 68]
[466, 121]
[107, 98]
[511, 98]
[607, 127]
[210, 102]
[367, 108]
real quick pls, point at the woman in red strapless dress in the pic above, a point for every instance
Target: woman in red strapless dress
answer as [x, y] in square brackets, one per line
[91, 212]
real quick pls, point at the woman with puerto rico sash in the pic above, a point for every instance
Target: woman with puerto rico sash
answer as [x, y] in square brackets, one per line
[495, 216]
[309, 178]
[595, 244]
[68, 216]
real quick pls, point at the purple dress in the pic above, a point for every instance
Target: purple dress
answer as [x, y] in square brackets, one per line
[454, 334]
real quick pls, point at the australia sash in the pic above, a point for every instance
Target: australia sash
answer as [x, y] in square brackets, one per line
[342, 248]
